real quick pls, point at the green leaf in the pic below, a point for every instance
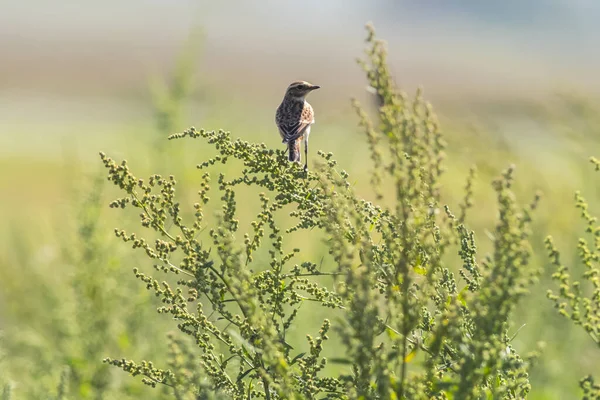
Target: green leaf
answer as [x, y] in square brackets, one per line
[391, 334]
[461, 296]
[299, 356]
[410, 355]
[420, 270]
[242, 376]
[336, 360]
[516, 333]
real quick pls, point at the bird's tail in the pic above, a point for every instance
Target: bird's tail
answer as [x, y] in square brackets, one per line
[294, 151]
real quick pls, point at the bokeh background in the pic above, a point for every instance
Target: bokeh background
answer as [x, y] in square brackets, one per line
[512, 82]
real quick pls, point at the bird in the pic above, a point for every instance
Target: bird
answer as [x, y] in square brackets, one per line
[294, 118]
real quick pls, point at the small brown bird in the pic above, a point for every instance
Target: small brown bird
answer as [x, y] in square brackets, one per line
[294, 117]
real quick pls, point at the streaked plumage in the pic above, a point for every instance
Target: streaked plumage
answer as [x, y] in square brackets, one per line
[294, 117]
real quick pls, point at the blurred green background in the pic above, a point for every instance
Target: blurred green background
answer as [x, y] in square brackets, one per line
[512, 82]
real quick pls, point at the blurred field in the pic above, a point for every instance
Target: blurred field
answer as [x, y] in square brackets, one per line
[512, 83]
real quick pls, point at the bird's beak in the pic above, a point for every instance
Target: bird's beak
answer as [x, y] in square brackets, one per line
[315, 87]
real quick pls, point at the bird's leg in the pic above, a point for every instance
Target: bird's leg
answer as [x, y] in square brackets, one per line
[306, 152]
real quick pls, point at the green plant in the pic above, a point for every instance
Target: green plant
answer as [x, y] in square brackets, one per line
[581, 304]
[69, 312]
[6, 392]
[409, 327]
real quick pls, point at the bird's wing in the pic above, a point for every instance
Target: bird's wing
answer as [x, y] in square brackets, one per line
[291, 132]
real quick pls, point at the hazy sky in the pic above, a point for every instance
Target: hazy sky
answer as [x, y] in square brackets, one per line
[501, 44]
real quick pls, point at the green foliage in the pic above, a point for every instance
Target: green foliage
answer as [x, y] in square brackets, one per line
[6, 392]
[581, 304]
[412, 309]
[409, 327]
[61, 349]
[66, 322]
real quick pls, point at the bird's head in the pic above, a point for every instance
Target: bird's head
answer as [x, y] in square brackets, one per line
[300, 89]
